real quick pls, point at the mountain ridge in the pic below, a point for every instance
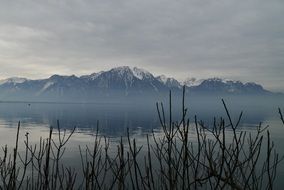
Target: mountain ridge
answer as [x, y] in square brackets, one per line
[118, 82]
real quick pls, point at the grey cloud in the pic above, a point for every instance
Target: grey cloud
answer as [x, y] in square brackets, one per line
[228, 38]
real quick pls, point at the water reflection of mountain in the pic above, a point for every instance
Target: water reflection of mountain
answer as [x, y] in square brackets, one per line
[114, 119]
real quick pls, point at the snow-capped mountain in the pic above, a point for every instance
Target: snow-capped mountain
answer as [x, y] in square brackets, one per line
[217, 85]
[189, 82]
[124, 71]
[169, 82]
[125, 80]
[14, 80]
[117, 82]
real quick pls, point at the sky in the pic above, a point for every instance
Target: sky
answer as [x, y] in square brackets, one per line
[234, 39]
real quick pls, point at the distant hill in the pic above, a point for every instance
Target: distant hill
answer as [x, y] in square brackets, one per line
[120, 82]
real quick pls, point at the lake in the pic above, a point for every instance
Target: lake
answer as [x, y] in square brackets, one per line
[139, 118]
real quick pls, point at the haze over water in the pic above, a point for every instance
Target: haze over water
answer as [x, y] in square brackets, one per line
[141, 119]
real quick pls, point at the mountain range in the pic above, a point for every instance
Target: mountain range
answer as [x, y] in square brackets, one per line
[119, 82]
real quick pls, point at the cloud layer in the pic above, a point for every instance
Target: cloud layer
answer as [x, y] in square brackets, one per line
[241, 40]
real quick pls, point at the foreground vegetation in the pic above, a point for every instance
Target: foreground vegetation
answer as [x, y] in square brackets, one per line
[185, 156]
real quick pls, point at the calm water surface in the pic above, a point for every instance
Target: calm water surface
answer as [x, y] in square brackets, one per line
[141, 119]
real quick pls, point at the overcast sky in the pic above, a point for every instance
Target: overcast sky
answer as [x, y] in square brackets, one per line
[236, 39]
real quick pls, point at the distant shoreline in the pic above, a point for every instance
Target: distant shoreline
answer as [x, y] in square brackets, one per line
[139, 100]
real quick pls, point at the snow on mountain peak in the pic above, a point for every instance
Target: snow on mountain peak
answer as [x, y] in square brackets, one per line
[121, 69]
[169, 82]
[136, 72]
[189, 82]
[218, 79]
[163, 79]
[129, 80]
[15, 80]
[95, 75]
[222, 80]
[141, 73]
[192, 82]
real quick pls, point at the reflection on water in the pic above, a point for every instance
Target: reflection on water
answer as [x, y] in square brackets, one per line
[115, 119]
